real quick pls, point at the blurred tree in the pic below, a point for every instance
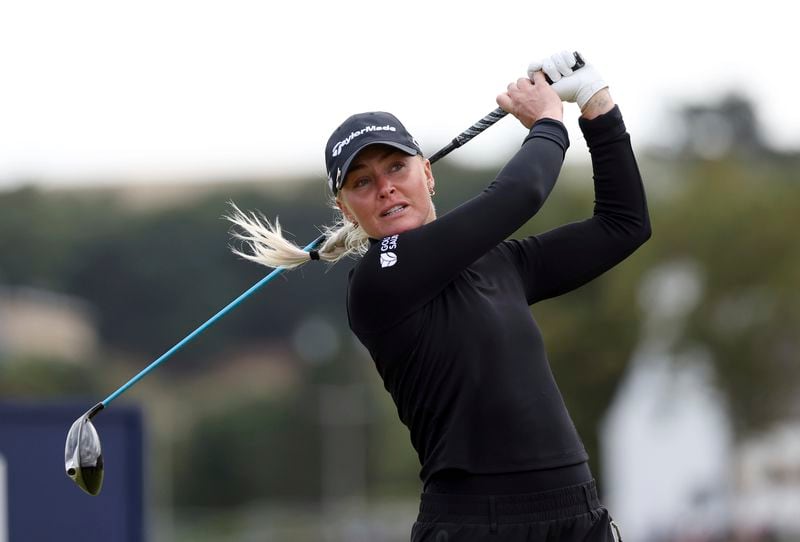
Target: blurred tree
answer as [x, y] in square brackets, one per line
[256, 450]
[739, 225]
[727, 127]
[41, 378]
[39, 233]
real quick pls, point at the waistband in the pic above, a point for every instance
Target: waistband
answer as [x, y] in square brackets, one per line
[493, 509]
[460, 482]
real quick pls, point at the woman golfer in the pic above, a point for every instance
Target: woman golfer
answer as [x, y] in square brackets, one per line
[442, 305]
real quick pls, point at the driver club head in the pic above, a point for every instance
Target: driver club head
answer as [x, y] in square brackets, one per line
[83, 456]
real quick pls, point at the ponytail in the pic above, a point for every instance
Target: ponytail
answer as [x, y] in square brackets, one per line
[266, 245]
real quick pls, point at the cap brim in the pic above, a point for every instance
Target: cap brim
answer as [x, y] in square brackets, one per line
[346, 166]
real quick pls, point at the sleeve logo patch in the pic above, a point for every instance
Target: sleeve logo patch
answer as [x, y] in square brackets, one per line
[388, 244]
[388, 259]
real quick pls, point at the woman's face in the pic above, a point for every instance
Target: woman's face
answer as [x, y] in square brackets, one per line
[387, 191]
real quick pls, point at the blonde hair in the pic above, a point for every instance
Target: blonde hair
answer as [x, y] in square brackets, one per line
[267, 246]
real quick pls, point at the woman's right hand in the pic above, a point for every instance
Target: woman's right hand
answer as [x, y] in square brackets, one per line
[531, 99]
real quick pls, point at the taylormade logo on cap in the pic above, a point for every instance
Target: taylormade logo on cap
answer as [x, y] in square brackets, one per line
[337, 148]
[358, 132]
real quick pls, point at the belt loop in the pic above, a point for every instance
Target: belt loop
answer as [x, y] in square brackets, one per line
[588, 496]
[492, 515]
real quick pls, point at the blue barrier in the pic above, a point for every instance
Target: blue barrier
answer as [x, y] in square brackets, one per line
[42, 503]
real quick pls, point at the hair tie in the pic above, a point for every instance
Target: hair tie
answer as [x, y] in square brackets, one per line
[314, 254]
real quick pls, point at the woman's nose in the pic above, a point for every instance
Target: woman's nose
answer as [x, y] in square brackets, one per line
[385, 187]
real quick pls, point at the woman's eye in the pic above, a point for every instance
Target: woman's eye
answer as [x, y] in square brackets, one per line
[398, 166]
[361, 182]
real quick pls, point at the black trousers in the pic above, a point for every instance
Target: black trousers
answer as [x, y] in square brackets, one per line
[570, 514]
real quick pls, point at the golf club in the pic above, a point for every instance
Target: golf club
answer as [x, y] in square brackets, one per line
[83, 457]
[489, 119]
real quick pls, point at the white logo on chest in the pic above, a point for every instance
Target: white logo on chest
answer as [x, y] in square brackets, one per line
[388, 258]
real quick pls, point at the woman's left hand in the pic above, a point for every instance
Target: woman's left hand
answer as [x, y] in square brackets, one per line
[531, 100]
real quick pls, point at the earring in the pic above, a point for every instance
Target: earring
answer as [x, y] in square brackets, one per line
[431, 191]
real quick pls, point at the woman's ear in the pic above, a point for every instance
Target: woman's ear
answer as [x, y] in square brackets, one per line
[429, 177]
[345, 211]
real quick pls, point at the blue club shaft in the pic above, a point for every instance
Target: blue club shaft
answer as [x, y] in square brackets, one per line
[211, 321]
[468, 134]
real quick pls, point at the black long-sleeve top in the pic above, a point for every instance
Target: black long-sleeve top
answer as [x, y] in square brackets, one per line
[444, 309]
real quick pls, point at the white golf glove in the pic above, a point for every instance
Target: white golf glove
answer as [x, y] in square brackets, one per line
[570, 85]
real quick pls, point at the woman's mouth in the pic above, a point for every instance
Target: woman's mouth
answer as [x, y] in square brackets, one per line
[394, 210]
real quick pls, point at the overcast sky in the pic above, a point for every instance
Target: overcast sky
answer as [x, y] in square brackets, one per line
[105, 91]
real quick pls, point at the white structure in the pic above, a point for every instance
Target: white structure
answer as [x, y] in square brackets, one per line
[3, 501]
[768, 477]
[666, 444]
[666, 439]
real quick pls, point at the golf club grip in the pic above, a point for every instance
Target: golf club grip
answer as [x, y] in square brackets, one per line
[489, 120]
[470, 132]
